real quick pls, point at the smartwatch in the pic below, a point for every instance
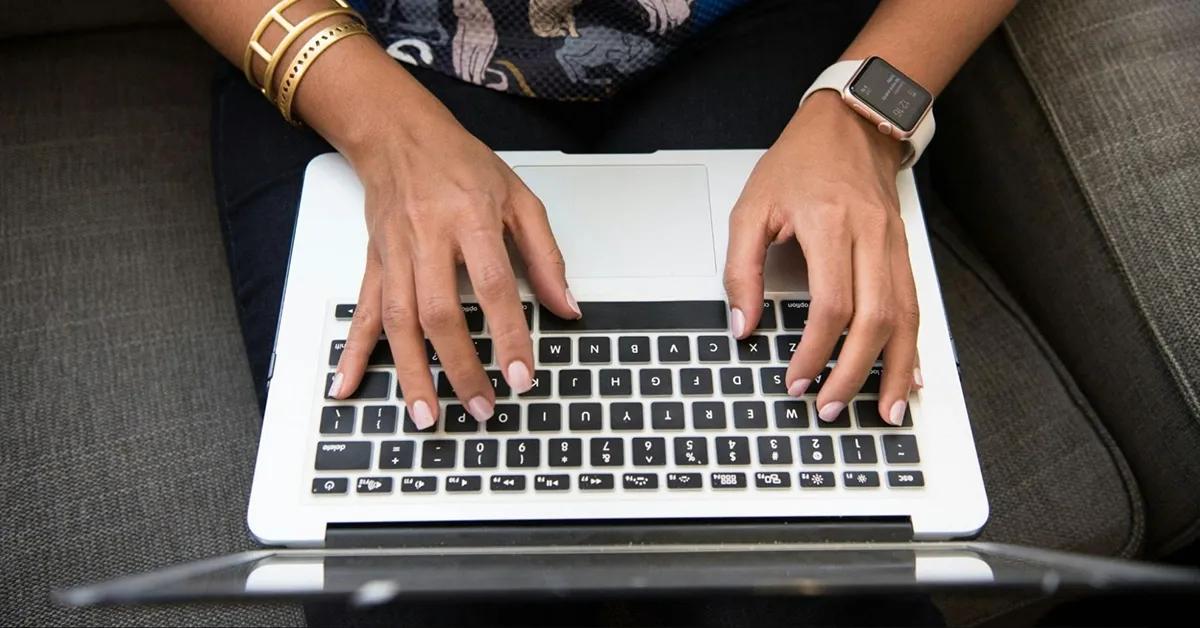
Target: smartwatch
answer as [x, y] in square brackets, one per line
[895, 104]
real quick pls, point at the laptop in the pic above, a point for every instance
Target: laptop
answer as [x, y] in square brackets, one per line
[654, 454]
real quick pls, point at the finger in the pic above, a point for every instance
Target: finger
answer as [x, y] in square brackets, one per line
[918, 378]
[440, 313]
[496, 287]
[870, 327]
[744, 258]
[544, 263]
[363, 333]
[900, 354]
[402, 325]
[831, 286]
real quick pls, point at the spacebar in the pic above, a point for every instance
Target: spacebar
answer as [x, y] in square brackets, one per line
[640, 316]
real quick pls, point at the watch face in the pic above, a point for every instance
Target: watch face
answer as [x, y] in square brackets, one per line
[890, 93]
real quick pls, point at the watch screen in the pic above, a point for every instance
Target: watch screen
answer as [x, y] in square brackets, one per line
[891, 94]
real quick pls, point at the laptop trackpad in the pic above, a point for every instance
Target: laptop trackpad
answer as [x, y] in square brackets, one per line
[628, 221]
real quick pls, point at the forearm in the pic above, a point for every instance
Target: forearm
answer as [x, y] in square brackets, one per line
[929, 40]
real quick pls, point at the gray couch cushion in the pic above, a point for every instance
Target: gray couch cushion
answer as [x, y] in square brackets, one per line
[24, 18]
[130, 420]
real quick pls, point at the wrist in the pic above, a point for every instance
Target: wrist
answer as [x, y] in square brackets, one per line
[827, 109]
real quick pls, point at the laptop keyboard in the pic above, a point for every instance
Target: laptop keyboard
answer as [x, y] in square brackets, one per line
[635, 397]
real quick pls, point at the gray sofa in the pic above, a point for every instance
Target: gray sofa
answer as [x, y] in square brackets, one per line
[1071, 253]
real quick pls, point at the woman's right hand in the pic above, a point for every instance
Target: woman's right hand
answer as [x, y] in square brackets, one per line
[437, 197]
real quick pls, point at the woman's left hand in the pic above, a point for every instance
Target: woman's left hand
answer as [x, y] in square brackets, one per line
[830, 183]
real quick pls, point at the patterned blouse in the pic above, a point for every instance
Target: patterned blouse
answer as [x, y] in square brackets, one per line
[556, 49]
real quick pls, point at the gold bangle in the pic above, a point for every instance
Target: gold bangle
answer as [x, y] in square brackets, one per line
[275, 14]
[304, 59]
[291, 37]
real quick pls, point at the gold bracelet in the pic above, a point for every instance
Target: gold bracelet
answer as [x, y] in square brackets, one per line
[290, 38]
[293, 32]
[275, 14]
[306, 57]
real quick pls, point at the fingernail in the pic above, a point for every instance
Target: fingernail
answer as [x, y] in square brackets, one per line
[897, 415]
[917, 379]
[738, 320]
[574, 304]
[335, 387]
[480, 408]
[518, 377]
[798, 387]
[830, 411]
[422, 415]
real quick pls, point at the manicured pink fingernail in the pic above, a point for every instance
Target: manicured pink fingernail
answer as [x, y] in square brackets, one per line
[737, 321]
[798, 387]
[831, 411]
[897, 415]
[518, 377]
[335, 386]
[480, 408]
[574, 304]
[422, 415]
[917, 379]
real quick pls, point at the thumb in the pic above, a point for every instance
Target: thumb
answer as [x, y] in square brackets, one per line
[744, 257]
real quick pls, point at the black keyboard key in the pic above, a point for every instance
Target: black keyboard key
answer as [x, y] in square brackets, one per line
[639, 481]
[565, 452]
[555, 482]
[727, 479]
[905, 479]
[649, 452]
[330, 486]
[438, 454]
[791, 415]
[396, 454]
[381, 353]
[506, 418]
[633, 349]
[708, 415]
[696, 381]
[527, 309]
[837, 348]
[574, 383]
[774, 450]
[795, 314]
[541, 385]
[419, 484]
[785, 346]
[499, 384]
[554, 350]
[464, 484]
[655, 382]
[411, 428]
[337, 420]
[767, 319]
[713, 348]
[868, 416]
[616, 382]
[818, 382]
[858, 449]
[640, 316]
[607, 452]
[474, 316]
[374, 385]
[545, 417]
[457, 420]
[626, 416]
[754, 349]
[342, 456]
[344, 311]
[508, 483]
[816, 450]
[445, 390]
[523, 452]
[750, 415]
[666, 415]
[431, 354]
[373, 486]
[773, 380]
[691, 450]
[860, 479]
[817, 479]
[684, 481]
[483, 349]
[595, 350]
[595, 481]
[842, 420]
[733, 450]
[900, 449]
[481, 453]
[772, 479]
[585, 416]
[737, 381]
[874, 378]
[674, 349]
[379, 420]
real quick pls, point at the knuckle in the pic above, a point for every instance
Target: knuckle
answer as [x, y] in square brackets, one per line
[494, 281]
[836, 309]
[397, 315]
[364, 318]
[439, 313]
[879, 316]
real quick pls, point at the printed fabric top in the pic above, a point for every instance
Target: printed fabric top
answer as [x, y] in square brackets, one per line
[556, 49]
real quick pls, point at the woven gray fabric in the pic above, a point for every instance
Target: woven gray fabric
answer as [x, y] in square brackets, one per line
[129, 415]
[1095, 231]
[22, 18]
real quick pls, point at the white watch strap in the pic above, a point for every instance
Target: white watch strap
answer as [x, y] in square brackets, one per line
[838, 75]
